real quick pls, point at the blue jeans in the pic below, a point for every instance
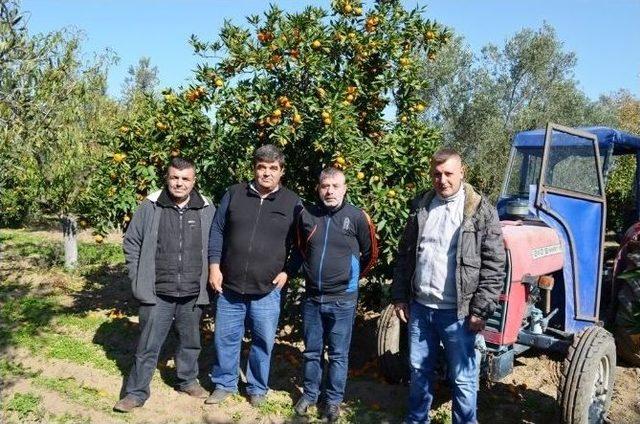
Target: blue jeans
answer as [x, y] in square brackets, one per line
[330, 323]
[427, 328]
[155, 323]
[260, 314]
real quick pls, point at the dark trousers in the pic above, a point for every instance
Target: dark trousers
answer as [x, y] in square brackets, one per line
[155, 323]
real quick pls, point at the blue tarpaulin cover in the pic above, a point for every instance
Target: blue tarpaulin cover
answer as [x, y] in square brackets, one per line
[622, 142]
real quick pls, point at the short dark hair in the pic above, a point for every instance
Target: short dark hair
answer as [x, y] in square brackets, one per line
[268, 153]
[180, 163]
[444, 155]
[328, 172]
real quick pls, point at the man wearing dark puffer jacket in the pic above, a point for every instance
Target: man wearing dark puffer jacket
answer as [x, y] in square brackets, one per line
[448, 276]
[166, 256]
[338, 244]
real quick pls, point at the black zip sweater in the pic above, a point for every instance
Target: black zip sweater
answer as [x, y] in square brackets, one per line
[339, 247]
[179, 249]
[251, 237]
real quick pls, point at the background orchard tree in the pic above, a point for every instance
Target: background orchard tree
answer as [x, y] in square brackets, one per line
[335, 87]
[625, 115]
[55, 108]
[480, 102]
[153, 129]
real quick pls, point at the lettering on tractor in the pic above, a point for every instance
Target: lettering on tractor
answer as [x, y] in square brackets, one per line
[562, 291]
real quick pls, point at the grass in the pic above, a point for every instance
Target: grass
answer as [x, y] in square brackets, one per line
[68, 418]
[12, 370]
[358, 412]
[25, 405]
[277, 404]
[81, 323]
[87, 397]
[442, 415]
[50, 253]
[23, 317]
[69, 348]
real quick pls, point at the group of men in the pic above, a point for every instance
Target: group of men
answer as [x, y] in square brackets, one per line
[446, 282]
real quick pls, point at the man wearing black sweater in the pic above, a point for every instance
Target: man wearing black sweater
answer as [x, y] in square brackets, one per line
[338, 243]
[249, 246]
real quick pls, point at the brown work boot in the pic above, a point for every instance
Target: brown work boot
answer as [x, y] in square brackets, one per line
[194, 390]
[127, 404]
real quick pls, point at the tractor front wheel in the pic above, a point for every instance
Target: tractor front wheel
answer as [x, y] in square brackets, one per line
[393, 347]
[628, 321]
[588, 373]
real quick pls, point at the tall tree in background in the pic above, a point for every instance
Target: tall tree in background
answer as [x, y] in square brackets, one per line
[55, 108]
[141, 79]
[481, 102]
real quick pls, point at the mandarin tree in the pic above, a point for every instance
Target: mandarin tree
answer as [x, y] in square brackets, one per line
[153, 130]
[334, 87]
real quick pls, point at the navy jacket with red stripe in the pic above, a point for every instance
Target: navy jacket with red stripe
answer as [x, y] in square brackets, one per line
[338, 246]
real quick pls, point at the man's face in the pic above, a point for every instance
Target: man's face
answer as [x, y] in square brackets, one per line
[268, 175]
[180, 182]
[447, 176]
[332, 190]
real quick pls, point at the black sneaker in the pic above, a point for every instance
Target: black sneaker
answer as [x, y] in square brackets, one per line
[332, 412]
[217, 396]
[302, 405]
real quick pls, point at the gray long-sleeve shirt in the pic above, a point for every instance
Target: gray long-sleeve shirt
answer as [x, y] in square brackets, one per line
[436, 257]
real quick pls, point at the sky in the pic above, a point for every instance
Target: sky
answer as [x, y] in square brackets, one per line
[604, 34]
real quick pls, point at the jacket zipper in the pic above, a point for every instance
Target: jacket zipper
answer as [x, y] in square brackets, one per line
[180, 253]
[324, 249]
[253, 233]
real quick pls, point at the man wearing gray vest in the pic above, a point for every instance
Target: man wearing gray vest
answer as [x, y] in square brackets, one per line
[448, 276]
[166, 256]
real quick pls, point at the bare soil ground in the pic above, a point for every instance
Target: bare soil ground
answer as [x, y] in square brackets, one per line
[79, 382]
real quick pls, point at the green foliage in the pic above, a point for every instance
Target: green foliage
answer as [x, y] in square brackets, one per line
[53, 109]
[136, 157]
[481, 102]
[621, 212]
[334, 87]
[25, 405]
[621, 193]
[338, 87]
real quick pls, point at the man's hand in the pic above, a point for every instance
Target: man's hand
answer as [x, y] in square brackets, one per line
[215, 277]
[280, 280]
[476, 324]
[402, 311]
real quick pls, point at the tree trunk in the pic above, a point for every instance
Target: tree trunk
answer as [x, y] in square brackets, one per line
[70, 232]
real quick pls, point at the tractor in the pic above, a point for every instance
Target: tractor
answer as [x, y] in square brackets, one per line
[559, 291]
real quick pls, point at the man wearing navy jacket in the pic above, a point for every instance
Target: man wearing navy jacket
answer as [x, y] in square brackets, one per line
[338, 244]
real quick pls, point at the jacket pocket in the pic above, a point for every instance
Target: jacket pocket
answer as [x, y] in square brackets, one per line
[469, 274]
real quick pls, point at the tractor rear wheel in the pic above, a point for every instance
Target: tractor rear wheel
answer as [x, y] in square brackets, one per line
[393, 346]
[627, 321]
[588, 372]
